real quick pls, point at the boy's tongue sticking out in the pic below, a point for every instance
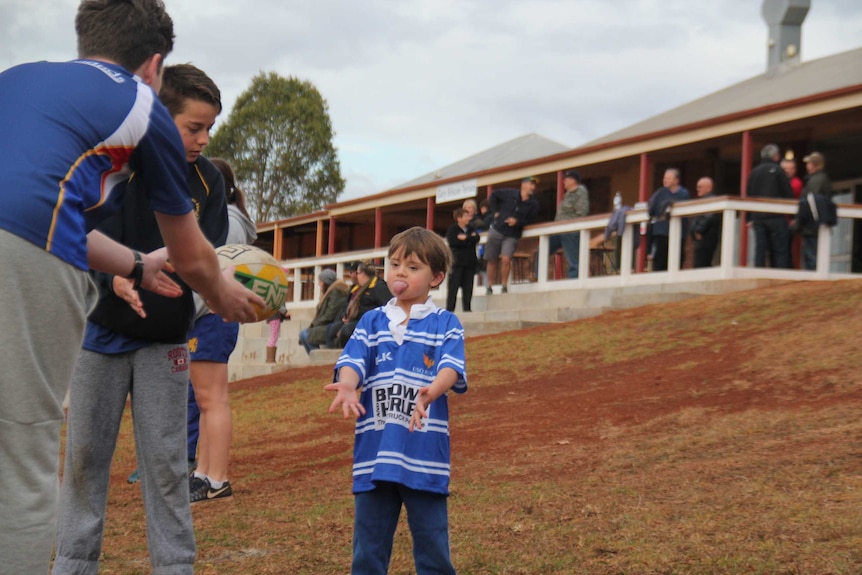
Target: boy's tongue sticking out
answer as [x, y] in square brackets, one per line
[398, 287]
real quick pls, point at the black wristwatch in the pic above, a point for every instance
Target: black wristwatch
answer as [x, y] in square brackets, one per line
[137, 272]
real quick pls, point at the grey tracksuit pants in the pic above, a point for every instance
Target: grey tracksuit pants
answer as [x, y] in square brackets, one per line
[43, 305]
[157, 378]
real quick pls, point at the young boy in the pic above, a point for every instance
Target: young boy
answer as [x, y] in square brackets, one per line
[135, 343]
[405, 356]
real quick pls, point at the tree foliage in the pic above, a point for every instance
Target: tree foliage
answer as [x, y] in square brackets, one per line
[278, 140]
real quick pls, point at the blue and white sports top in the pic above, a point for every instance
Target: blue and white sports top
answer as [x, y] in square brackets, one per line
[71, 134]
[394, 362]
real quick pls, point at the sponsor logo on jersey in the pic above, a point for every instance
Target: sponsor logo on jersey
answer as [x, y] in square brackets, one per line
[394, 402]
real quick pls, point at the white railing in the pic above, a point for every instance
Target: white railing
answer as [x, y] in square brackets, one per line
[304, 271]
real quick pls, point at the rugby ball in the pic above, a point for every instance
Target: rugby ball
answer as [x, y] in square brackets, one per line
[258, 271]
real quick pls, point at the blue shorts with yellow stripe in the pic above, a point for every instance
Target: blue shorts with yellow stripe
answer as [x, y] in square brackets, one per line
[212, 339]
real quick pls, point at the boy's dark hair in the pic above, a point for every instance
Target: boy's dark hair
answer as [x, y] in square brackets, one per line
[429, 248]
[182, 82]
[233, 194]
[458, 213]
[127, 32]
[484, 204]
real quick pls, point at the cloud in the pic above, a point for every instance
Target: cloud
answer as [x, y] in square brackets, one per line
[419, 84]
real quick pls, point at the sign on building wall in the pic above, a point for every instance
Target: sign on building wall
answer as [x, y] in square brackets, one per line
[457, 191]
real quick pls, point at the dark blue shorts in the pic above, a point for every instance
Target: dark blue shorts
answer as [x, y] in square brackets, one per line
[212, 339]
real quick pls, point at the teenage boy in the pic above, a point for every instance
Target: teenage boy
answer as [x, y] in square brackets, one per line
[72, 135]
[135, 344]
[405, 357]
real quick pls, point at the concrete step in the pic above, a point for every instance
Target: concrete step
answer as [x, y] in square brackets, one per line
[489, 322]
[324, 356]
[239, 372]
[523, 306]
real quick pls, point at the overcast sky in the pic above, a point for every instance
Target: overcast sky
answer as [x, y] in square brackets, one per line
[414, 85]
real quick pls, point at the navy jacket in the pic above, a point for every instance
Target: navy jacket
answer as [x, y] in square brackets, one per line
[134, 225]
[768, 180]
[505, 203]
[463, 251]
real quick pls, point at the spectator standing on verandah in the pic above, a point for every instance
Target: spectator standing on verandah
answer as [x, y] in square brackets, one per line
[796, 184]
[575, 204]
[471, 207]
[771, 231]
[486, 216]
[512, 210]
[482, 222]
[706, 228]
[814, 210]
[659, 212]
[462, 238]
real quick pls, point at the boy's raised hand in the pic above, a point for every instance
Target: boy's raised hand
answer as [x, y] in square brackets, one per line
[421, 409]
[446, 378]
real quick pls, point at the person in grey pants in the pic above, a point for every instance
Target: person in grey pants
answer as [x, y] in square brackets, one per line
[135, 345]
[100, 385]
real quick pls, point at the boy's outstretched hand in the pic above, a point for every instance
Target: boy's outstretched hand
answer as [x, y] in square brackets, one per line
[346, 397]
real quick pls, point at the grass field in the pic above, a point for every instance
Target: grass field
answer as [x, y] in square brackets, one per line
[719, 435]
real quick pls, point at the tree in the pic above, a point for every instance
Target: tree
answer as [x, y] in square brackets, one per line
[278, 140]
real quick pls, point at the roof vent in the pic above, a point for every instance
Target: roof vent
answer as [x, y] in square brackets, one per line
[784, 18]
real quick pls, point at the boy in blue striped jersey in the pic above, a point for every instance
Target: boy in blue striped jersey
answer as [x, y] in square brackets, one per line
[404, 356]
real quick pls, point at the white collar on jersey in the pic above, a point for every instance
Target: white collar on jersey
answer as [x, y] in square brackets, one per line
[396, 316]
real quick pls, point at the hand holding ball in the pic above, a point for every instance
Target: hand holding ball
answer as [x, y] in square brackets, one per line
[257, 271]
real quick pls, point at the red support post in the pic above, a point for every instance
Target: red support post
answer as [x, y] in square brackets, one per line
[378, 227]
[332, 235]
[429, 216]
[747, 144]
[643, 196]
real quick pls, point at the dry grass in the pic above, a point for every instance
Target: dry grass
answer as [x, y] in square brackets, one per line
[713, 436]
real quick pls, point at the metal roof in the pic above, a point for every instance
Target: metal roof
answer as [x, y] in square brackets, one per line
[528, 147]
[788, 82]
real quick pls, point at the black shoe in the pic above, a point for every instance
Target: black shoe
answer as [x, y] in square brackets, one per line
[207, 493]
[488, 290]
[504, 290]
[196, 483]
